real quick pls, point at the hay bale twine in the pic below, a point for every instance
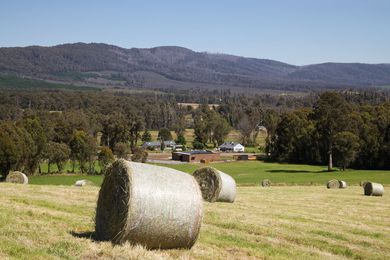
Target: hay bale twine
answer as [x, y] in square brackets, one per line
[333, 184]
[342, 184]
[17, 177]
[266, 183]
[215, 185]
[154, 206]
[373, 189]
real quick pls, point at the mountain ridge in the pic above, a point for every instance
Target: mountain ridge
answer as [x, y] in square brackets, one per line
[110, 65]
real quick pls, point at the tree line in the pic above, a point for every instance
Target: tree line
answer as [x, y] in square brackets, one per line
[351, 128]
[334, 131]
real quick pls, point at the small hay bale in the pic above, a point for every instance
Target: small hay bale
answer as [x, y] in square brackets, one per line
[17, 177]
[215, 185]
[342, 184]
[333, 184]
[266, 183]
[373, 189]
[154, 206]
[81, 183]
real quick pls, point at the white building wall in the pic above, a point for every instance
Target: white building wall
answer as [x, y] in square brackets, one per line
[239, 148]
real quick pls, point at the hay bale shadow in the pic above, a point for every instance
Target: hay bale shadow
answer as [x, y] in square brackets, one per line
[91, 235]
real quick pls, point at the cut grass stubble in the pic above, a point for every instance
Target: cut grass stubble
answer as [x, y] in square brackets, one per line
[57, 222]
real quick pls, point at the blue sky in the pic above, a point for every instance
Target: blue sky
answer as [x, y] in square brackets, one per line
[293, 31]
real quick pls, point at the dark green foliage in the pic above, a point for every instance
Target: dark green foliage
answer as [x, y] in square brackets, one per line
[294, 138]
[350, 134]
[220, 131]
[346, 147]
[115, 129]
[209, 126]
[164, 134]
[197, 145]
[181, 140]
[180, 125]
[57, 153]
[34, 128]
[83, 149]
[16, 146]
[105, 157]
[136, 126]
[146, 136]
[121, 117]
[331, 115]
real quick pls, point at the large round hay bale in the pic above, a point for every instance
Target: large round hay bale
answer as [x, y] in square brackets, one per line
[266, 183]
[17, 177]
[342, 184]
[154, 206]
[333, 184]
[373, 189]
[215, 185]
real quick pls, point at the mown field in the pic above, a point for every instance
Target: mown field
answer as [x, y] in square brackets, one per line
[249, 173]
[51, 222]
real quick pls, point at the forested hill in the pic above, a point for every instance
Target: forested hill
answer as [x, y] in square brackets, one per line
[164, 67]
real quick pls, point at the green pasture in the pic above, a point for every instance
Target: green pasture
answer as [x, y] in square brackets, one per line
[248, 173]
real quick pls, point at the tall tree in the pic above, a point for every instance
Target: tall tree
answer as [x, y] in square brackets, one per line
[56, 153]
[115, 129]
[164, 134]
[83, 149]
[292, 141]
[37, 133]
[220, 131]
[105, 157]
[136, 126]
[331, 116]
[14, 147]
[345, 145]
[246, 128]
[146, 136]
[121, 150]
[271, 119]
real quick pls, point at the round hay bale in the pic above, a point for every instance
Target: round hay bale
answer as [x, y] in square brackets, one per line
[81, 183]
[215, 185]
[342, 184]
[154, 206]
[333, 184]
[373, 189]
[266, 183]
[17, 177]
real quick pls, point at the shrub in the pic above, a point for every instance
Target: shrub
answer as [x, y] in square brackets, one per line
[197, 145]
[139, 155]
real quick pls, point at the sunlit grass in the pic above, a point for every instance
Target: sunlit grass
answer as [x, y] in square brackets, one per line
[296, 222]
[250, 173]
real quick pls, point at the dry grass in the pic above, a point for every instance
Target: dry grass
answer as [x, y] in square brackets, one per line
[296, 222]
